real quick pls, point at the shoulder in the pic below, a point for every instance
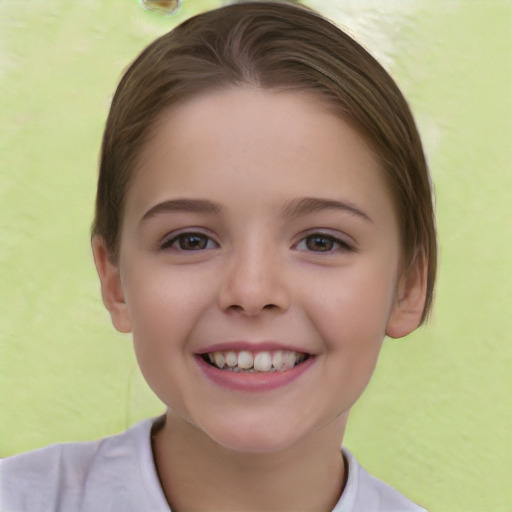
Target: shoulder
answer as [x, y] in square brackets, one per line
[365, 493]
[80, 476]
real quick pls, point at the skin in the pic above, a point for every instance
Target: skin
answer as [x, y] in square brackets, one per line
[326, 280]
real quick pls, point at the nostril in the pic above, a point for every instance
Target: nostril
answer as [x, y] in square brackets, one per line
[251, 295]
[249, 310]
[236, 307]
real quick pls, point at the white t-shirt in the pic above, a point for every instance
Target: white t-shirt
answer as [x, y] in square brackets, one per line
[117, 474]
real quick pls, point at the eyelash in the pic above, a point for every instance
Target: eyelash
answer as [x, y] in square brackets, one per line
[332, 243]
[329, 243]
[176, 241]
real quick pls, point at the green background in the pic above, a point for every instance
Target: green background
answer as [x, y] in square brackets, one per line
[436, 421]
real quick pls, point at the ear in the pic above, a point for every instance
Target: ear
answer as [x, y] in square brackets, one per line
[410, 300]
[112, 291]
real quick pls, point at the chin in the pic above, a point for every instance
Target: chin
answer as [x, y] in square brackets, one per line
[256, 438]
[254, 444]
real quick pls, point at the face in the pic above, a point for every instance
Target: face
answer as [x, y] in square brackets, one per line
[259, 267]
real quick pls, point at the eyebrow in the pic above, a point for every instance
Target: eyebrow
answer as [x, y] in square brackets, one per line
[182, 205]
[294, 208]
[307, 205]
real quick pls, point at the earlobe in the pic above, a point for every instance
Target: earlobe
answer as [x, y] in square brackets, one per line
[112, 291]
[410, 299]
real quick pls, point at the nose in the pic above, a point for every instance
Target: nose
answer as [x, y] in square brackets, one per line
[254, 282]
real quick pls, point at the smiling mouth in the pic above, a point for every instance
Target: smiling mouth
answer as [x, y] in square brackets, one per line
[244, 361]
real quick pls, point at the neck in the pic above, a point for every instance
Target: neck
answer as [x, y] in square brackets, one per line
[198, 474]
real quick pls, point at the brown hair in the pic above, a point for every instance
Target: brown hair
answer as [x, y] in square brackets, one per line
[271, 45]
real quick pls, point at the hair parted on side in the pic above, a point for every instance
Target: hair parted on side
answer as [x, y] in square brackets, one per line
[275, 46]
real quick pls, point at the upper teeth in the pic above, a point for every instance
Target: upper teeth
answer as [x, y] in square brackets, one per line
[263, 361]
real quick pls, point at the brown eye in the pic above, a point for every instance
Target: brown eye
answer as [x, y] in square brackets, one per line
[320, 243]
[190, 242]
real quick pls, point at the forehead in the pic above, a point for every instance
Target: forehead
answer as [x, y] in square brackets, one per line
[238, 139]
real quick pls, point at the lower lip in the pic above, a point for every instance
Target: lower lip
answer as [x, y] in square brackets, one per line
[254, 381]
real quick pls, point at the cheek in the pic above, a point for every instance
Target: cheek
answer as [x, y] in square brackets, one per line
[164, 306]
[165, 299]
[161, 325]
[353, 333]
[350, 313]
[353, 306]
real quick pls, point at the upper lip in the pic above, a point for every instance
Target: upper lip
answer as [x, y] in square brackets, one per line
[238, 346]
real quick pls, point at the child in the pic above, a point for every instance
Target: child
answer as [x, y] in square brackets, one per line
[263, 220]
